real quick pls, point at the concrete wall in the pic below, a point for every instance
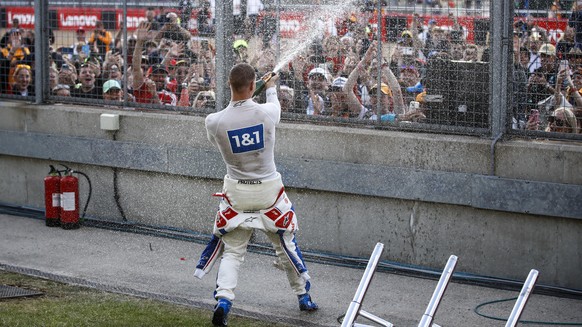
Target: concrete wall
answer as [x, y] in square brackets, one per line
[425, 196]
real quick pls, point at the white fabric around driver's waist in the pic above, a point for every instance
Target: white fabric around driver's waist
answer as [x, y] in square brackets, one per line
[241, 209]
[252, 195]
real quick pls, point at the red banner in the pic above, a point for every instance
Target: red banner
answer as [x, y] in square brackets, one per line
[292, 23]
[25, 16]
[73, 18]
[134, 17]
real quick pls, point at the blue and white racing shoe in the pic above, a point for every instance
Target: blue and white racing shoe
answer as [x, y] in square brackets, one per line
[220, 317]
[305, 303]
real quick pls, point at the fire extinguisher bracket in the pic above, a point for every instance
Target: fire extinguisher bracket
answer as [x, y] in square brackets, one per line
[109, 122]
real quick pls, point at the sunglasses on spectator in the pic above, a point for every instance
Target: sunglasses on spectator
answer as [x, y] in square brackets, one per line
[407, 67]
[23, 66]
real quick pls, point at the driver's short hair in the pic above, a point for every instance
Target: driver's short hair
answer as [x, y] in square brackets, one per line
[241, 75]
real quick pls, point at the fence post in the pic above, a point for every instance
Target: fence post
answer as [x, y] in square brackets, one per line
[224, 57]
[500, 63]
[41, 45]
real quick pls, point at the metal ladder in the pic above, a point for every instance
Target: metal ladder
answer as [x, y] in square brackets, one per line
[522, 299]
[354, 310]
[429, 313]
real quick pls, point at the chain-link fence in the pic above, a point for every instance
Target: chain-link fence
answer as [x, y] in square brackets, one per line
[427, 65]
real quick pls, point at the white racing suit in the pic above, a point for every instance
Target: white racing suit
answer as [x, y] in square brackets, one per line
[247, 205]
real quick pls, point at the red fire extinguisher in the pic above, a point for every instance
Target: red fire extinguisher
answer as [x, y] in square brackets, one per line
[69, 201]
[52, 198]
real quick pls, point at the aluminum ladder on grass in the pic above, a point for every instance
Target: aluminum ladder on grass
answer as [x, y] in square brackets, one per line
[438, 293]
[522, 299]
[355, 309]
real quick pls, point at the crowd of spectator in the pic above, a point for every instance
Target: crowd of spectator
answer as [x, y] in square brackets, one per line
[547, 77]
[341, 74]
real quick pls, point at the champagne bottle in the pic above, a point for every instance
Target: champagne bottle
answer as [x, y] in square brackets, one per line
[261, 83]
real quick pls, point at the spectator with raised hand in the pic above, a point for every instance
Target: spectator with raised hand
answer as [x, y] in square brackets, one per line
[5, 40]
[438, 41]
[549, 63]
[113, 65]
[534, 44]
[391, 81]
[541, 83]
[173, 31]
[182, 74]
[162, 16]
[150, 15]
[334, 54]
[101, 39]
[388, 101]
[571, 96]
[204, 100]
[408, 50]
[151, 88]
[575, 22]
[317, 85]
[343, 101]
[15, 53]
[566, 43]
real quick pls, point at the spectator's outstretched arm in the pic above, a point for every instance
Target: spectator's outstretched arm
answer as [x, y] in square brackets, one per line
[363, 64]
[208, 69]
[392, 82]
[299, 67]
[456, 25]
[138, 78]
[158, 37]
[416, 43]
[141, 36]
[119, 36]
[558, 96]
[575, 93]
[185, 35]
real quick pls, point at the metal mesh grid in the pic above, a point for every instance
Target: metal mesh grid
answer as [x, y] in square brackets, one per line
[437, 51]
[11, 292]
[547, 59]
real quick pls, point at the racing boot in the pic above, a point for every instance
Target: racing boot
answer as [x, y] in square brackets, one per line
[305, 303]
[220, 317]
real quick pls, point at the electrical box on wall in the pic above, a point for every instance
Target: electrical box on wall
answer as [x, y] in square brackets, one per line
[110, 122]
